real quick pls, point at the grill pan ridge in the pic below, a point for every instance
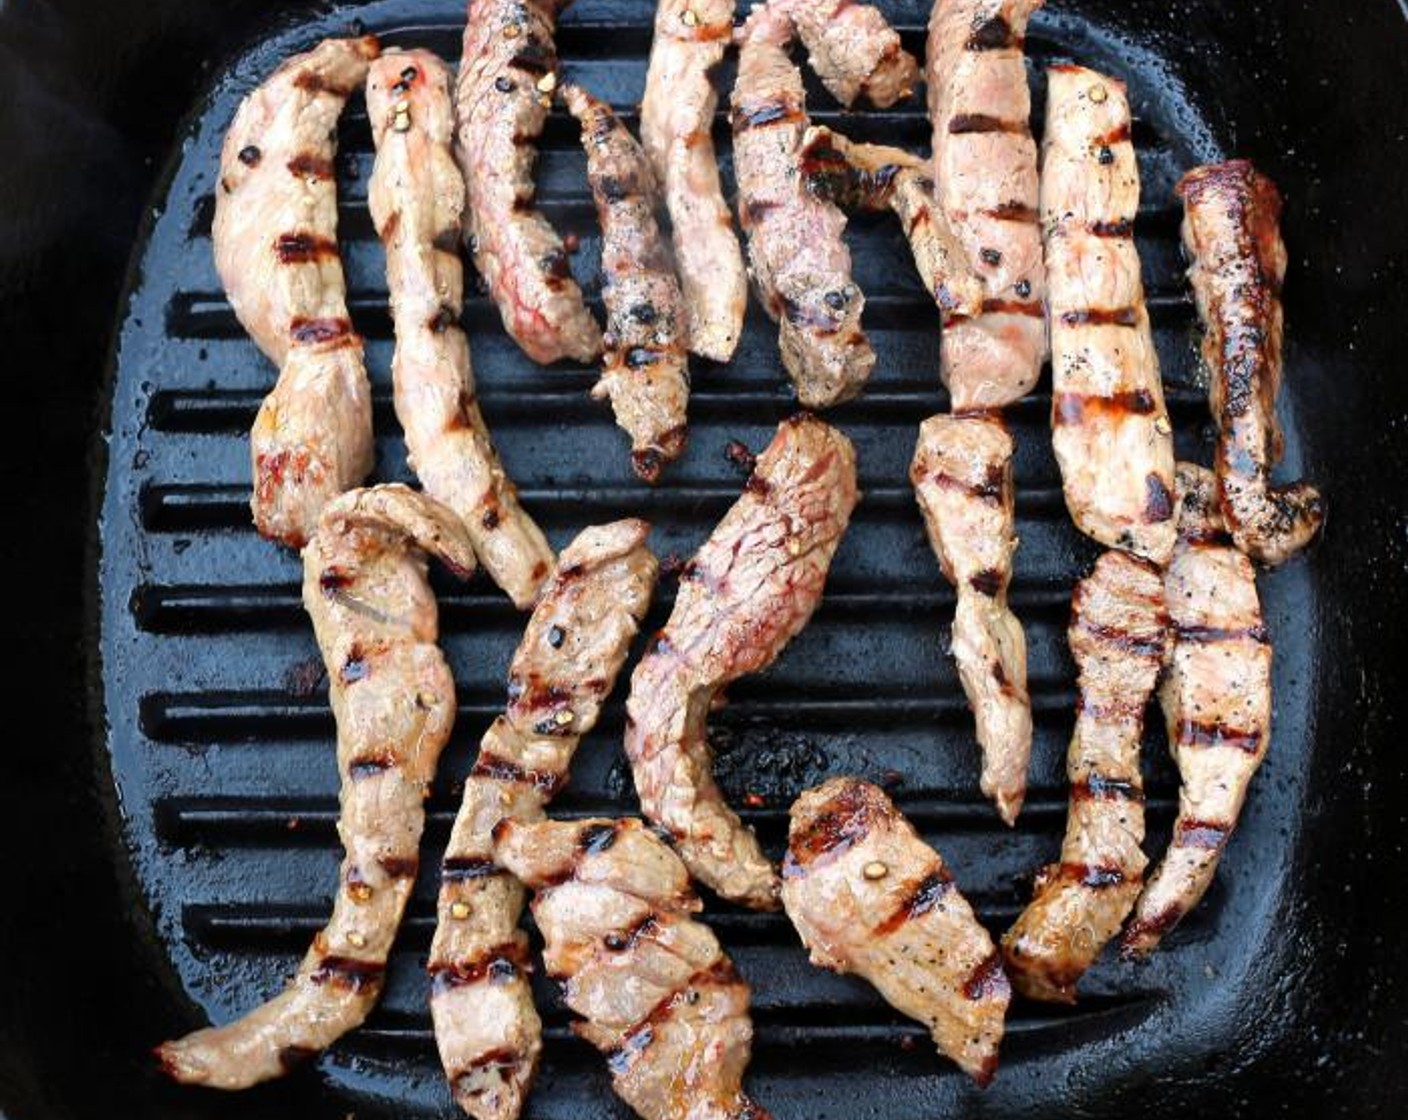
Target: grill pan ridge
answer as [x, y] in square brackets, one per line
[217, 720]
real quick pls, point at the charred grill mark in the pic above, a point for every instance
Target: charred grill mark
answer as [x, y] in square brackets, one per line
[1158, 502]
[1207, 835]
[334, 580]
[987, 582]
[1098, 787]
[1117, 135]
[987, 980]
[764, 114]
[1101, 317]
[349, 974]
[1211, 733]
[1013, 212]
[1206, 635]
[307, 165]
[399, 867]
[292, 1057]
[844, 823]
[990, 490]
[925, 896]
[465, 869]
[991, 34]
[369, 766]
[1135, 645]
[964, 124]
[1096, 876]
[444, 318]
[638, 1039]
[310, 81]
[625, 940]
[596, 838]
[1031, 309]
[306, 331]
[1070, 409]
[447, 240]
[534, 57]
[303, 248]
[489, 765]
[1120, 227]
[1157, 925]
[497, 965]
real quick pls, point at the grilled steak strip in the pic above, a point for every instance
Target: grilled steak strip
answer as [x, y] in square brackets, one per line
[1216, 699]
[576, 640]
[1110, 429]
[1119, 637]
[416, 197]
[501, 102]
[275, 239]
[365, 588]
[799, 262]
[1231, 229]
[854, 51]
[748, 591]
[868, 896]
[962, 475]
[658, 995]
[676, 116]
[646, 371]
[877, 177]
[986, 179]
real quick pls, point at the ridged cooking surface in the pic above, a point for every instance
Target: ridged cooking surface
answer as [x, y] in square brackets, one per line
[219, 724]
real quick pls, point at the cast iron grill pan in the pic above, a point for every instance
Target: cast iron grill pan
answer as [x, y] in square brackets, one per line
[222, 741]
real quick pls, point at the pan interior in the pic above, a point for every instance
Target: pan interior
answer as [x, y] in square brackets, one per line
[218, 725]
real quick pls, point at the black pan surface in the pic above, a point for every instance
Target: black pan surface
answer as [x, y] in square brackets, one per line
[182, 834]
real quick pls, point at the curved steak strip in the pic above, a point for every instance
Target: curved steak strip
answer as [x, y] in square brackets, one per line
[646, 371]
[676, 116]
[1110, 429]
[877, 177]
[501, 103]
[962, 475]
[365, 588]
[1119, 637]
[658, 994]
[416, 197]
[1216, 699]
[275, 238]
[986, 179]
[748, 591]
[868, 896]
[1232, 232]
[576, 640]
[798, 259]
[854, 51]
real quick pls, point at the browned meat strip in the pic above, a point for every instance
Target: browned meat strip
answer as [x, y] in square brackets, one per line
[1119, 637]
[676, 116]
[501, 103]
[799, 262]
[1232, 231]
[748, 591]
[1216, 698]
[275, 237]
[853, 50]
[869, 896]
[876, 177]
[986, 179]
[576, 641]
[1110, 429]
[646, 372]
[416, 197]
[365, 588]
[962, 475]
[658, 994]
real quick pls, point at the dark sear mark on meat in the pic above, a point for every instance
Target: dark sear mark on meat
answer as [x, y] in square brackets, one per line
[348, 973]
[963, 124]
[310, 166]
[303, 248]
[305, 331]
[992, 34]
